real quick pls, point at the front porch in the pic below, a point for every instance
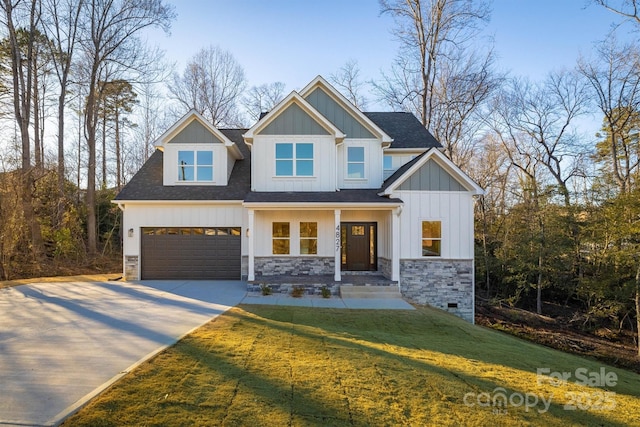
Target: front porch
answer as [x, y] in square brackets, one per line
[323, 242]
[313, 284]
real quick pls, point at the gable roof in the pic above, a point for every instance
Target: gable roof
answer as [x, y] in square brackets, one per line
[146, 184]
[405, 129]
[293, 98]
[320, 83]
[185, 121]
[407, 170]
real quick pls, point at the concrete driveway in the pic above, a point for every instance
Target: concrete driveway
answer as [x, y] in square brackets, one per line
[62, 343]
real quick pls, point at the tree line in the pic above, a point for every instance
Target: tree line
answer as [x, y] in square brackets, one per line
[559, 221]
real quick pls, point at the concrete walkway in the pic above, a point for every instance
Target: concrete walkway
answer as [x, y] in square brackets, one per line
[63, 343]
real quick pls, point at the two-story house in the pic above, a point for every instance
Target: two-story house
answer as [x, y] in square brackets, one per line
[316, 192]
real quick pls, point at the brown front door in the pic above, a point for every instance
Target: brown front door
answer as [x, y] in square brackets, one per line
[359, 244]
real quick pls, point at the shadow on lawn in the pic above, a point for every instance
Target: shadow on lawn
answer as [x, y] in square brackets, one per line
[341, 335]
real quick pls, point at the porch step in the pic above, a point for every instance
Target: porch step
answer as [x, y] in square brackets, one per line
[382, 292]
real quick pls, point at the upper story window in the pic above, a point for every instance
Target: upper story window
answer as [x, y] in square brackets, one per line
[195, 166]
[355, 162]
[431, 238]
[387, 166]
[294, 159]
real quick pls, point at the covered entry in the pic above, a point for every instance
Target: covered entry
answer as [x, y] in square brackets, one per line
[190, 253]
[358, 248]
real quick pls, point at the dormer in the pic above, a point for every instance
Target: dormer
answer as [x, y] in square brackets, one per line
[196, 153]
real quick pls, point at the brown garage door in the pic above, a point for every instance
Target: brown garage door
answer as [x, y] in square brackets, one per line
[190, 253]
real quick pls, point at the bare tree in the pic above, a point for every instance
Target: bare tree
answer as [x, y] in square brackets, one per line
[212, 84]
[26, 15]
[625, 8]
[109, 39]
[347, 81]
[150, 121]
[437, 76]
[464, 86]
[544, 115]
[261, 99]
[61, 27]
[614, 81]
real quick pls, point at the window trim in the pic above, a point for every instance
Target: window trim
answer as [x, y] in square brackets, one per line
[195, 166]
[438, 239]
[307, 238]
[282, 238]
[363, 163]
[294, 159]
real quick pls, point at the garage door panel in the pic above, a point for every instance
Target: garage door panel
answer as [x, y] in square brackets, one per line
[167, 254]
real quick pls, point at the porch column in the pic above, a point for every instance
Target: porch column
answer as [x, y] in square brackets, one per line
[251, 233]
[395, 244]
[337, 245]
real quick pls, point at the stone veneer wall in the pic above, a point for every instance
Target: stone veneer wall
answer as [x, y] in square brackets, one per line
[244, 267]
[131, 267]
[293, 266]
[439, 283]
[384, 267]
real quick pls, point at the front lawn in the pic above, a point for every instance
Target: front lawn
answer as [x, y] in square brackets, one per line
[280, 366]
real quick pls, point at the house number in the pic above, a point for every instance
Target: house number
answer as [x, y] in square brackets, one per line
[337, 238]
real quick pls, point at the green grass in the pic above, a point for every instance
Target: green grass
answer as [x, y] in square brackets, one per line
[280, 366]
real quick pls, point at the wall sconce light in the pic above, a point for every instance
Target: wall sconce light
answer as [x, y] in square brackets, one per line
[131, 232]
[248, 232]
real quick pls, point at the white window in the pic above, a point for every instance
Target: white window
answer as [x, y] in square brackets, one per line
[294, 159]
[195, 166]
[355, 162]
[308, 238]
[387, 166]
[431, 238]
[280, 237]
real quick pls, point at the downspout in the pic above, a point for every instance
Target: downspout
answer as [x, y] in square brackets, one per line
[338, 144]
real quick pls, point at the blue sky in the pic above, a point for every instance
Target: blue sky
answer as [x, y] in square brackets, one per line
[294, 40]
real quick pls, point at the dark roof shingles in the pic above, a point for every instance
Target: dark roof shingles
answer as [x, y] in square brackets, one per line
[147, 183]
[405, 129]
[342, 196]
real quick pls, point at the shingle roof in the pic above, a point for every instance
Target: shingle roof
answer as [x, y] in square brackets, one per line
[147, 183]
[342, 196]
[400, 171]
[405, 129]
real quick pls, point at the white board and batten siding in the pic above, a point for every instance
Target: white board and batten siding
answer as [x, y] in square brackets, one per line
[264, 164]
[139, 215]
[221, 163]
[265, 219]
[195, 137]
[454, 209]
[372, 164]
[326, 224]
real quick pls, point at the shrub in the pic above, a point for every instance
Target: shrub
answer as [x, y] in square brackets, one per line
[326, 293]
[266, 289]
[297, 291]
